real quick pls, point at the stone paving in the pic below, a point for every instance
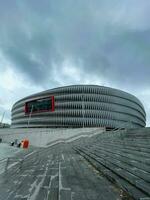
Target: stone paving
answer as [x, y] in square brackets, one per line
[55, 173]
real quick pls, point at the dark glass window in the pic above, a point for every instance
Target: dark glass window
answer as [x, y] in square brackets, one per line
[39, 105]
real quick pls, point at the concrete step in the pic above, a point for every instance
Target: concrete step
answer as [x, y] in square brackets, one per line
[127, 166]
[131, 178]
[129, 145]
[120, 149]
[121, 182]
[127, 160]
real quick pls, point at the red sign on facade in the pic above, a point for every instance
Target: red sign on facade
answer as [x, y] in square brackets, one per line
[46, 104]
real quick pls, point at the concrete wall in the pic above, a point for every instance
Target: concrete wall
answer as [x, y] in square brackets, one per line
[42, 136]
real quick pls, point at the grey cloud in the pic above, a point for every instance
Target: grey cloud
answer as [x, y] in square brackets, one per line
[110, 38]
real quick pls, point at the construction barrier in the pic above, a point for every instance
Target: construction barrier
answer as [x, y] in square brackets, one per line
[25, 144]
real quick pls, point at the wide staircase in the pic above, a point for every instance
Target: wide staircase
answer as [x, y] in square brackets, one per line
[123, 157]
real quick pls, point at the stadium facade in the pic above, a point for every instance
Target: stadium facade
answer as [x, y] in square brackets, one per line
[79, 106]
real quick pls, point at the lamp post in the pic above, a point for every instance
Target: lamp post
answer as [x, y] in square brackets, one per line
[29, 116]
[2, 119]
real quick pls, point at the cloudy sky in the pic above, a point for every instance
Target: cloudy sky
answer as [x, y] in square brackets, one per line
[50, 43]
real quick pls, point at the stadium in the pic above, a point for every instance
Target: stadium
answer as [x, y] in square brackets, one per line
[79, 106]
